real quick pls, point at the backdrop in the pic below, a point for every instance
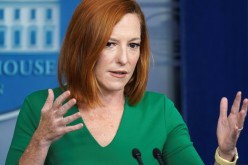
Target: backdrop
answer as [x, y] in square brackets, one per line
[213, 47]
[214, 64]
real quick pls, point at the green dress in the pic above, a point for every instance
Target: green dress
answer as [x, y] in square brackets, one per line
[152, 123]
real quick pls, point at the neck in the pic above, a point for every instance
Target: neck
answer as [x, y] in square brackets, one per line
[115, 98]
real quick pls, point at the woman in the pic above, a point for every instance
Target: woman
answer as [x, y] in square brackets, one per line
[103, 111]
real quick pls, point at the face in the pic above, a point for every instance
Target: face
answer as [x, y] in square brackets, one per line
[118, 59]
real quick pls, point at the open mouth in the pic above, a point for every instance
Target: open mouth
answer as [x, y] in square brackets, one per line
[119, 72]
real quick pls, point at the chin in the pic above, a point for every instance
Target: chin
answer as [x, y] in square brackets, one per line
[114, 88]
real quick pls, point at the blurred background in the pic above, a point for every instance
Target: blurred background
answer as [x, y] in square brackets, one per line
[199, 54]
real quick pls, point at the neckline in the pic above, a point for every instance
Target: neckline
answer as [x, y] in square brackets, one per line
[91, 137]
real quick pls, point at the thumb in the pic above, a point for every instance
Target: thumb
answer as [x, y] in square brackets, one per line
[49, 101]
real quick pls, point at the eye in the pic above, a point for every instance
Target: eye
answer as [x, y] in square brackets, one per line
[110, 44]
[134, 45]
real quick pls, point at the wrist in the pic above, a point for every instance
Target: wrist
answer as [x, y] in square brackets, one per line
[227, 156]
[223, 161]
[40, 141]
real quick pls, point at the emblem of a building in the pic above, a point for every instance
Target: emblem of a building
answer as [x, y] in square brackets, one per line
[29, 26]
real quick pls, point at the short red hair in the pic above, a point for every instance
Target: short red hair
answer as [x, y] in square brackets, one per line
[87, 35]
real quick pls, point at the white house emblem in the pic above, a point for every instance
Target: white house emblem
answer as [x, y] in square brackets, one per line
[29, 48]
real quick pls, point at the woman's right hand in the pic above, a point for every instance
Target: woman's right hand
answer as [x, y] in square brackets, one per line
[53, 124]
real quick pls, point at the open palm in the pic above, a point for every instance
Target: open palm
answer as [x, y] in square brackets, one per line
[230, 126]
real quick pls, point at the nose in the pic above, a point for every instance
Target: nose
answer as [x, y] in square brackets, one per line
[122, 57]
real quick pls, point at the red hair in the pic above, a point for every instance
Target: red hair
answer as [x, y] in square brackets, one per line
[87, 35]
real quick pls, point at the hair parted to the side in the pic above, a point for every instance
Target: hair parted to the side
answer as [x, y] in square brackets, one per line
[87, 35]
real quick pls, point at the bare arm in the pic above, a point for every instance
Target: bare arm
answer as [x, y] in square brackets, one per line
[230, 126]
[52, 126]
[35, 153]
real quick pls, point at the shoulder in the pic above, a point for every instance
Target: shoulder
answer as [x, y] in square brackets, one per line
[41, 94]
[148, 95]
[161, 104]
[34, 102]
[155, 100]
[156, 97]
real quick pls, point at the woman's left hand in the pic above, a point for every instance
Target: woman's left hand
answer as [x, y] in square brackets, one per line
[230, 126]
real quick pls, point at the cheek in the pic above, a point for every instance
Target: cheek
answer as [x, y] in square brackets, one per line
[106, 57]
[101, 62]
[98, 67]
[135, 59]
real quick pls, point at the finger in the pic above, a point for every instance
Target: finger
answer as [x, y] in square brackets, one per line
[236, 103]
[71, 118]
[64, 108]
[73, 128]
[242, 114]
[58, 102]
[245, 105]
[223, 108]
[49, 101]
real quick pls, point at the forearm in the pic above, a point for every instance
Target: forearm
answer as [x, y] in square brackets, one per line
[35, 152]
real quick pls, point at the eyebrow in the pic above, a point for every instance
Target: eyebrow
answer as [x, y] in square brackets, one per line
[133, 39]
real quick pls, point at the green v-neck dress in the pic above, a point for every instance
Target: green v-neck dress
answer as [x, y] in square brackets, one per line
[152, 123]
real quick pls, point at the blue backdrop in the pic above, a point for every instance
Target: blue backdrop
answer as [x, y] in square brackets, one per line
[214, 57]
[214, 64]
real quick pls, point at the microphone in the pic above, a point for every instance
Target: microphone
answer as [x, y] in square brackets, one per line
[157, 155]
[137, 155]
